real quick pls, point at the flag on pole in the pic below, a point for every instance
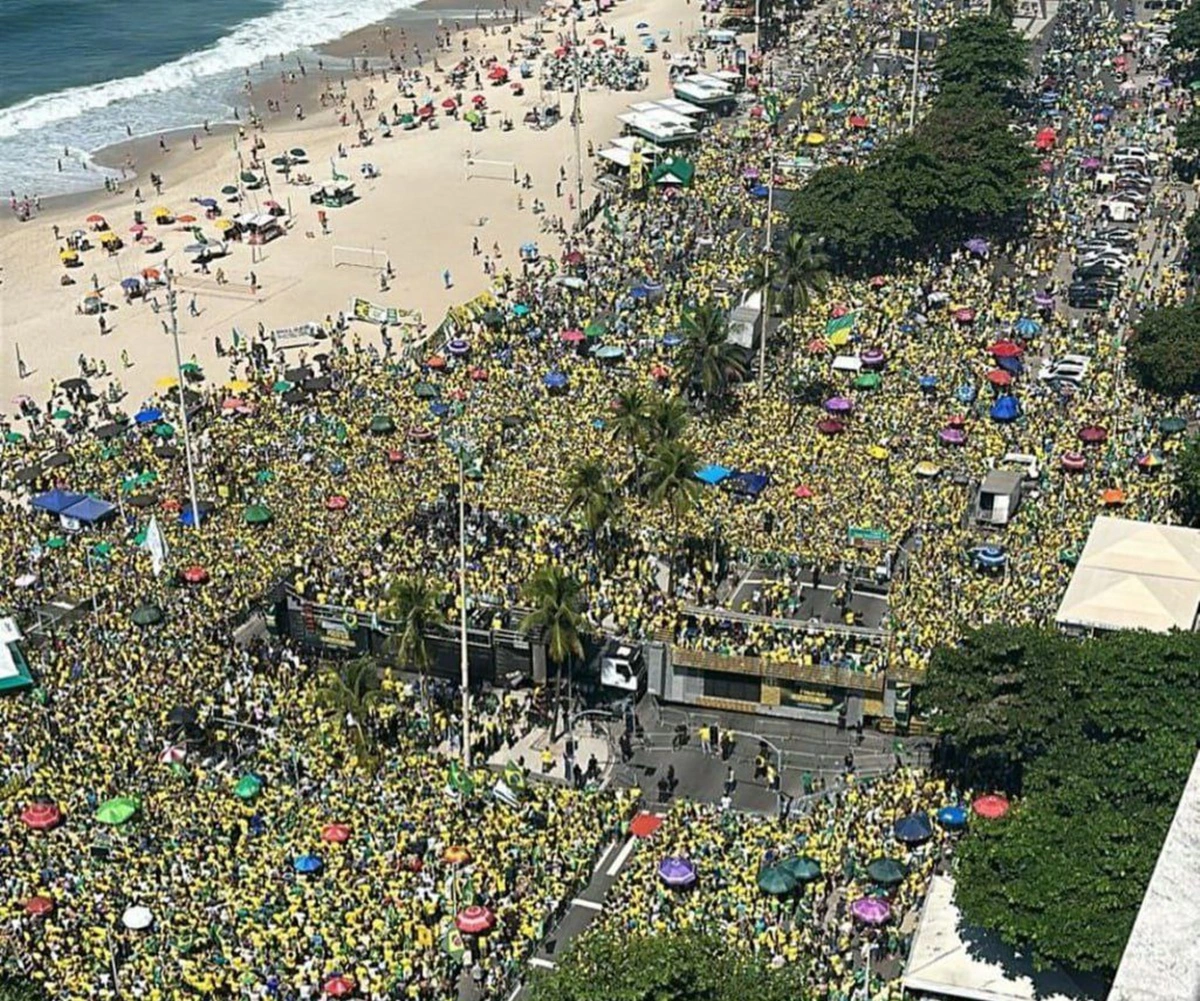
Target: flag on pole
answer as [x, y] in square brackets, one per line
[155, 545]
[459, 780]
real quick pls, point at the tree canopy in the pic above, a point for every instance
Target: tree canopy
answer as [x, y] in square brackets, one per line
[1187, 481]
[1096, 738]
[983, 54]
[1164, 354]
[676, 967]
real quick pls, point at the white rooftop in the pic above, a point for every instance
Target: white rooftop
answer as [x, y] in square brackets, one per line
[1162, 957]
[951, 959]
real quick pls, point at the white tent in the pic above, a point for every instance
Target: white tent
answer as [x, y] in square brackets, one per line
[953, 960]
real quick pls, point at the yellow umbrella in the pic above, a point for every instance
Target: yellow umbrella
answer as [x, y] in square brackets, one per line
[927, 469]
[166, 382]
[877, 452]
[162, 210]
[224, 223]
[68, 255]
[237, 385]
[815, 139]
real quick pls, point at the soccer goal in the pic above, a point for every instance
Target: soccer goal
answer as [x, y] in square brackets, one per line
[496, 170]
[361, 257]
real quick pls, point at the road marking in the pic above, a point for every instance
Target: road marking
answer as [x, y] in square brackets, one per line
[621, 857]
[591, 905]
[543, 964]
[604, 857]
[515, 991]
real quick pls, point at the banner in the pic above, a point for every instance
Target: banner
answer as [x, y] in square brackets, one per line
[472, 309]
[363, 309]
[840, 323]
[155, 545]
[459, 780]
[298, 336]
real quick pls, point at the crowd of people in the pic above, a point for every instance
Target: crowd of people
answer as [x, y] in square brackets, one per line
[344, 453]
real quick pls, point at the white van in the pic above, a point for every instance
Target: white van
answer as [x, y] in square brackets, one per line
[1118, 210]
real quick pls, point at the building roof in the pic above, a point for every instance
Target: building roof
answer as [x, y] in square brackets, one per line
[1162, 957]
[1001, 481]
[1135, 575]
[951, 959]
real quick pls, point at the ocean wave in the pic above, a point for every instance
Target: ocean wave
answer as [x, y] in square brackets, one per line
[297, 24]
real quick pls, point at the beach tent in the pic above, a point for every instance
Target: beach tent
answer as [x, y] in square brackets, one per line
[14, 668]
[674, 171]
[750, 484]
[713, 474]
[89, 510]
[57, 501]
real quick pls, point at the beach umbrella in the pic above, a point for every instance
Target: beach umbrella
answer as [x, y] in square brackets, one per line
[338, 986]
[147, 416]
[41, 816]
[137, 918]
[990, 807]
[248, 786]
[830, 426]
[1073, 462]
[839, 405]
[886, 871]
[335, 833]
[1093, 434]
[117, 811]
[426, 391]
[308, 864]
[336, 503]
[572, 336]
[871, 910]
[952, 817]
[609, 352]
[436, 362]
[913, 829]
[456, 855]
[194, 574]
[55, 542]
[644, 825]
[873, 357]
[1005, 409]
[1172, 425]
[868, 380]
[776, 880]
[39, 906]
[1112, 497]
[1027, 327]
[998, 377]
[1149, 460]
[474, 920]
[554, 380]
[256, 514]
[382, 424]
[952, 436]
[805, 868]
[147, 615]
[677, 873]
[458, 346]
[1005, 349]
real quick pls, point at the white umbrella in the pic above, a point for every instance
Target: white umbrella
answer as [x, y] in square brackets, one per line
[172, 755]
[137, 918]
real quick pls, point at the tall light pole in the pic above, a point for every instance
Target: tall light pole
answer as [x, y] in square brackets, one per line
[577, 116]
[766, 300]
[187, 435]
[912, 108]
[459, 447]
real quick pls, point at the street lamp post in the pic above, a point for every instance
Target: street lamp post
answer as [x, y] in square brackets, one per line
[187, 436]
[912, 108]
[766, 301]
[462, 578]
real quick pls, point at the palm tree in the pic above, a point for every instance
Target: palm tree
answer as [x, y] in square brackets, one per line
[629, 418]
[707, 355]
[673, 485]
[556, 598]
[352, 687]
[803, 268]
[592, 493]
[666, 419]
[412, 603]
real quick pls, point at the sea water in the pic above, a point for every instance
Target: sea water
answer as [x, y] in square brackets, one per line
[83, 74]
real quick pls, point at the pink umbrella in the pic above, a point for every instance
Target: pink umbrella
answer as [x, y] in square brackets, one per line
[871, 910]
[572, 336]
[990, 807]
[475, 920]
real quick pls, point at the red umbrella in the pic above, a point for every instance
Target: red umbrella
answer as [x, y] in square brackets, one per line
[599, 42]
[94, 218]
[879, 281]
[449, 104]
[1093, 434]
[39, 907]
[660, 372]
[171, 504]
[437, 361]
[1073, 462]
[838, 311]
[572, 336]
[394, 457]
[41, 816]
[475, 920]
[964, 315]
[338, 834]
[574, 258]
[802, 492]
[817, 346]
[560, 52]
[339, 986]
[990, 807]
[233, 403]
[479, 375]
[498, 73]
[194, 574]
[1006, 349]
[858, 122]
[644, 824]
[425, 112]
[956, 421]
[830, 426]
[998, 377]
[336, 503]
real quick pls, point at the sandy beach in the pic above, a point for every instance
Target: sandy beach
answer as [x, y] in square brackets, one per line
[422, 210]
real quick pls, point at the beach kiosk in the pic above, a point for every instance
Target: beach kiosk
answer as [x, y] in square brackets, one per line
[333, 195]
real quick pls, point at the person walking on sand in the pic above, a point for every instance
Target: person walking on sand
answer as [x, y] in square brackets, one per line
[446, 279]
[253, 280]
[125, 362]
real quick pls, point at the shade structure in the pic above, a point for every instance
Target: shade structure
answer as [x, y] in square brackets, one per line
[338, 986]
[644, 825]
[913, 829]
[335, 833]
[803, 867]
[459, 346]
[148, 416]
[474, 920]
[839, 405]
[426, 391]
[256, 514]
[117, 811]
[952, 436]
[873, 357]
[43, 816]
[147, 615]
[554, 380]
[776, 880]
[868, 380]
[999, 377]
[137, 918]
[248, 787]
[713, 474]
[871, 910]
[336, 503]
[677, 873]
[886, 871]
[308, 864]
[39, 906]
[1005, 409]
[1073, 462]
[952, 817]
[194, 574]
[830, 426]
[990, 807]
[1172, 425]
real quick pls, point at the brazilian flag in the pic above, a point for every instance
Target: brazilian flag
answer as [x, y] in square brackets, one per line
[459, 780]
[452, 942]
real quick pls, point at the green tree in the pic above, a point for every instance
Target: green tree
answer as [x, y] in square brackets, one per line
[628, 421]
[1185, 30]
[1097, 738]
[683, 966]
[1187, 481]
[707, 356]
[803, 271]
[13, 988]
[556, 599]
[671, 478]
[852, 215]
[1187, 133]
[1191, 234]
[413, 604]
[352, 688]
[592, 494]
[1164, 354]
[982, 53]
[666, 419]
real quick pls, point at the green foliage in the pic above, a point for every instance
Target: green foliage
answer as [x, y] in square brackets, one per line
[628, 420]
[706, 354]
[1187, 133]
[852, 215]
[412, 603]
[1185, 30]
[1164, 354]
[983, 54]
[15, 989]
[677, 967]
[557, 603]
[1187, 481]
[1097, 738]
[353, 688]
[591, 493]
[1191, 234]
[671, 479]
[803, 270]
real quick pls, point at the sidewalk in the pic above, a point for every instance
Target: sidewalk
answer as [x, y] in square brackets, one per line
[531, 745]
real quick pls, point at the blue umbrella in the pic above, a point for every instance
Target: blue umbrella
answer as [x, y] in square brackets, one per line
[953, 817]
[760, 191]
[535, 334]
[991, 557]
[1027, 327]
[337, 467]
[190, 518]
[672, 341]
[1006, 409]
[520, 309]
[965, 394]
[713, 474]
[1014, 366]
[131, 283]
[554, 380]
[638, 292]
[439, 409]
[308, 864]
[147, 416]
[914, 829]
[927, 381]
[208, 203]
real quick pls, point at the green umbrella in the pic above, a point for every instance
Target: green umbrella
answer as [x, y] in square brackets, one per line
[256, 514]
[264, 476]
[382, 424]
[229, 189]
[102, 549]
[298, 153]
[776, 881]
[803, 867]
[282, 386]
[868, 380]
[12, 437]
[140, 538]
[117, 811]
[146, 478]
[837, 108]
[1172, 425]
[406, 119]
[55, 542]
[249, 177]
[190, 367]
[62, 414]
[427, 391]
[493, 318]
[597, 328]
[1069, 557]
[472, 117]
[147, 615]
[165, 431]
[887, 871]
[248, 787]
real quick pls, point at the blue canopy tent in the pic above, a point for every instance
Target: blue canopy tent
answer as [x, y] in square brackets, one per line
[713, 474]
[1006, 409]
[750, 484]
[56, 501]
[90, 510]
